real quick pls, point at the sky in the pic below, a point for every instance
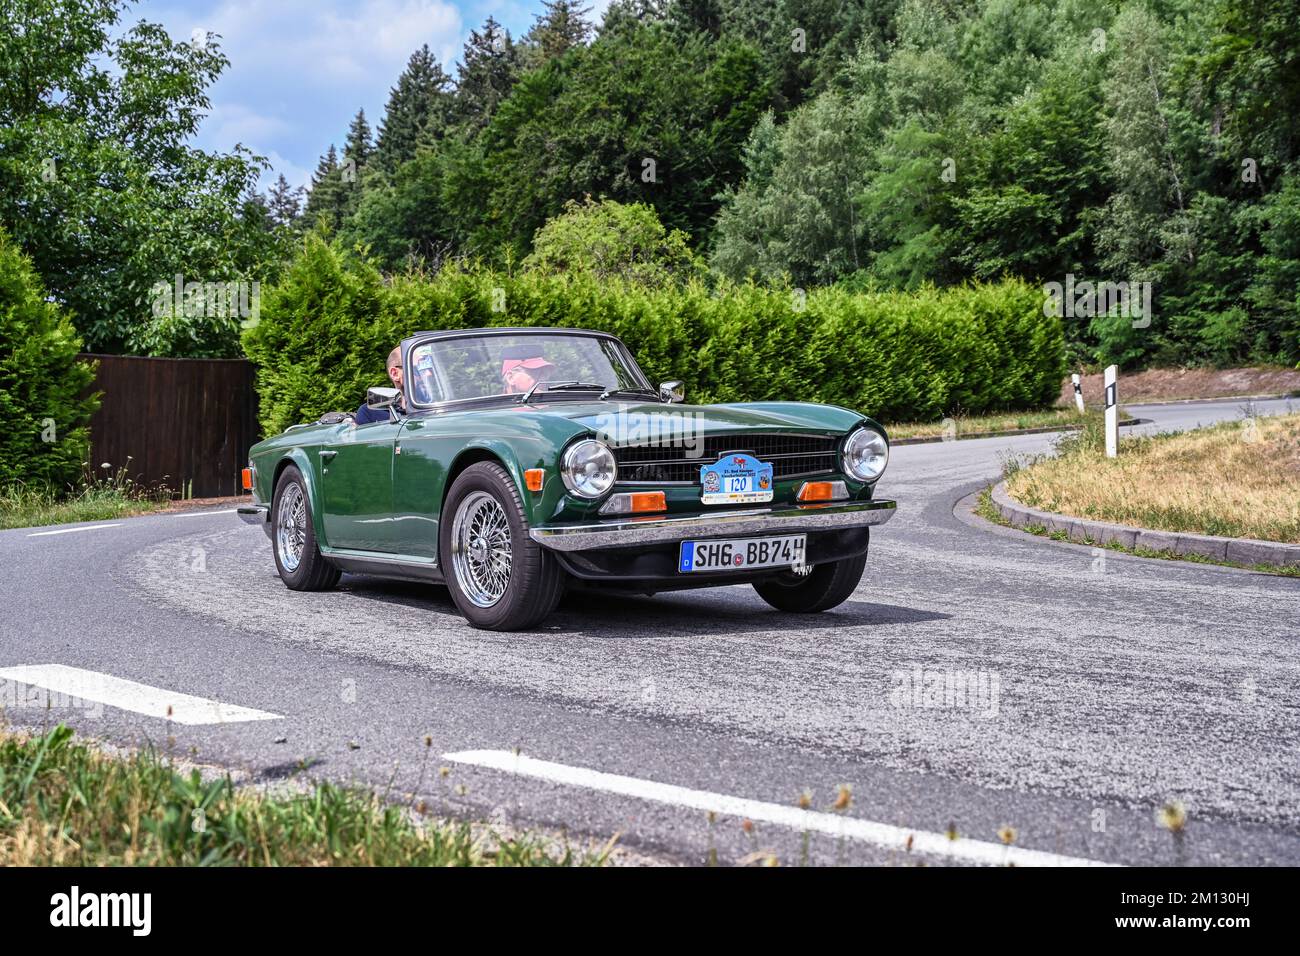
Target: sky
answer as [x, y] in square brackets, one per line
[300, 69]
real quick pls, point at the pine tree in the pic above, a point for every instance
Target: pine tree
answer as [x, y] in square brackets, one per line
[560, 27]
[285, 202]
[629, 14]
[256, 209]
[327, 200]
[358, 147]
[491, 65]
[702, 16]
[418, 111]
[357, 152]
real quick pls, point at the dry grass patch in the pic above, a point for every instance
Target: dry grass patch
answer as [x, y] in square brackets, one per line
[109, 494]
[63, 803]
[1173, 384]
[1238, 479]
[958, 425]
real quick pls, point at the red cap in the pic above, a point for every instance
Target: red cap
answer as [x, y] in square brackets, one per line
[535, 362]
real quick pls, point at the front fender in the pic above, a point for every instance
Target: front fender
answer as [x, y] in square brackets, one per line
[500, 449]
[299, 457]
[517, 455]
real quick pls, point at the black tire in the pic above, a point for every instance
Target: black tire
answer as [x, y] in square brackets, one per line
[313, 571]
[533, 581]
[825, 587]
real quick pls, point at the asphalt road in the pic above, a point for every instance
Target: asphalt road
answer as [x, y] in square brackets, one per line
[1098, 687]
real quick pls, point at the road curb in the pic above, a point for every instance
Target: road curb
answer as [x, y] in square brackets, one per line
[1010, 433]
[1208, 401]
[1086, 531]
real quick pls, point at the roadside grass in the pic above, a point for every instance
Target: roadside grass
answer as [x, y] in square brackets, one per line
[64, 803]
[958, 425]
[97, 499]
[1236, 479]
[985, 509]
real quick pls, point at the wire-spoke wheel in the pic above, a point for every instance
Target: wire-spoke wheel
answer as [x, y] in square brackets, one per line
[293, 537]
[499, 578]
[291, 533]
[480, 549]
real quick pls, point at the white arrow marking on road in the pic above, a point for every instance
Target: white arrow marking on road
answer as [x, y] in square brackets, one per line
[128, 695]
[89, 527]
[852, 828]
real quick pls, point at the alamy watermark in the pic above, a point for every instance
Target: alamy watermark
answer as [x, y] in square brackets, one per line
[211, 300]
[1086, 299]
[658, 430]
[18, 696]
[947, 689]
[74, 908]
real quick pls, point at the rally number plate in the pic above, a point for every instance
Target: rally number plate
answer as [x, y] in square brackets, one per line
[736, 479]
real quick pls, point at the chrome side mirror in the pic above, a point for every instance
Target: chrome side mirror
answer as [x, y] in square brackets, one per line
[672, 393]
[382, 397]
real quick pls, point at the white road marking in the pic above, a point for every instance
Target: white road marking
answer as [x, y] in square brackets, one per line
[128, 695]
[852, 828]
[88, 527]
[200, 514]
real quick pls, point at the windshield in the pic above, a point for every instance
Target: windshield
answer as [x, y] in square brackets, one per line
[482, 366]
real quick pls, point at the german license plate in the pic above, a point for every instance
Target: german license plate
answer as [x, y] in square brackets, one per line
[742, 554]
[735, 479]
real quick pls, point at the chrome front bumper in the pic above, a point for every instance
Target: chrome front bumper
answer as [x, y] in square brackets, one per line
[255, 514]
[631, 532]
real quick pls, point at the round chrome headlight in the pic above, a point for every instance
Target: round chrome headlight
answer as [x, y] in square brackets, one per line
[865, 455]
[588, 468]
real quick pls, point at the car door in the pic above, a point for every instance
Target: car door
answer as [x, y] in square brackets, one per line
[427, 445]
[356, 472]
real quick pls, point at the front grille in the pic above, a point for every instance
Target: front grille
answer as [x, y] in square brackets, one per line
[789, 455]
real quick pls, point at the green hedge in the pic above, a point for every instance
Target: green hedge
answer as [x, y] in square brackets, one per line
[44, 409]
[327, 327]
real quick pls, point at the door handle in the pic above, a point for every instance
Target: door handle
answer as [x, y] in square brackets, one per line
[327, 454]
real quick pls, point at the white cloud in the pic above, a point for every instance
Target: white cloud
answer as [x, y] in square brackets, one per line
[236, 123]
[348, 45]
[295, 174]
[300, 70]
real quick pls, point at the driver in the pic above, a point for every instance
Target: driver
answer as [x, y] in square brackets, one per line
[522, 367]
[365, 414]
[423, 386]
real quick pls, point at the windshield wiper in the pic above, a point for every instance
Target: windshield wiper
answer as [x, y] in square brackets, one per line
[555, 387]
[628, 391]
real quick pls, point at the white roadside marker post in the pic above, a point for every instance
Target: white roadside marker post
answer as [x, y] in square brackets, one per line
[1078, 391]
[1112, 411]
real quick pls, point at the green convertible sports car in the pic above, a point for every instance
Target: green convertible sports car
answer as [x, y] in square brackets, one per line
[511, 464]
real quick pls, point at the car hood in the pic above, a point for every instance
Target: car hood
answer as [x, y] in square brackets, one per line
[628, 421]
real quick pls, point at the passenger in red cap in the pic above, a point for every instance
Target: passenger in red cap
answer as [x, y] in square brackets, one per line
[522, 367]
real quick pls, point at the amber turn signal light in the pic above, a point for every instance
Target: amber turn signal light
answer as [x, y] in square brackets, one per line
[247, 475]
[648, 501]
[533, 478]
[633, 502]
[822, 491]
[815, 491]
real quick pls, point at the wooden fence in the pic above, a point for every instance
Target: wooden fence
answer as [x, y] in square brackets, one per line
[186, 424]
